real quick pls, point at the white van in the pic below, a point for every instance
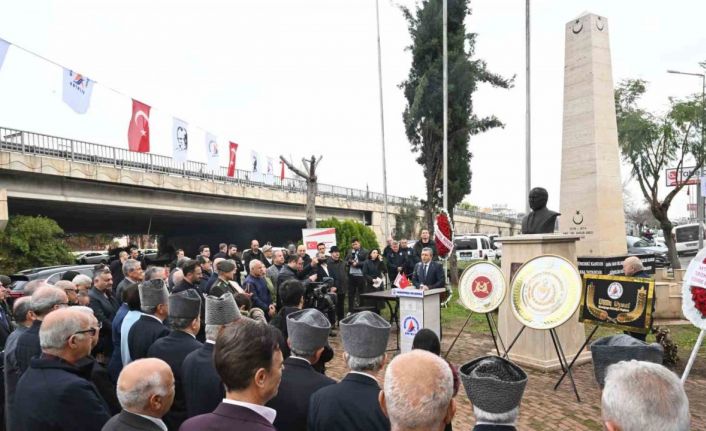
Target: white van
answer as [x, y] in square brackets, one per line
[473, 247]
[686, 237]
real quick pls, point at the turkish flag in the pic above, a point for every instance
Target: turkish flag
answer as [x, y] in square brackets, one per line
[138, 133]
[231, 162]
[281, 172]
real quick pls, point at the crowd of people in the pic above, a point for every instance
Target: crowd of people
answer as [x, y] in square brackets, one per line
[234, 343]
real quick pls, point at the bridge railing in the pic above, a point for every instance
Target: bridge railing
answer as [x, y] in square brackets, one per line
[87, 152]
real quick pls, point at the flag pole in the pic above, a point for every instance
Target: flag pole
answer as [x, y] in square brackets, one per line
[382, 124]
[445, 89]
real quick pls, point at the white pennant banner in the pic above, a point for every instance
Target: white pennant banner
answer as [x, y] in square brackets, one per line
[4, 46]
[212, 155]
[77, 91]
[180, 140]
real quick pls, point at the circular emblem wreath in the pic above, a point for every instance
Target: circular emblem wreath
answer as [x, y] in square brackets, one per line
[443, 234]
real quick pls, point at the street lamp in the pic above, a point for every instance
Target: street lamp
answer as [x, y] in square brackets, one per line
[699, 196]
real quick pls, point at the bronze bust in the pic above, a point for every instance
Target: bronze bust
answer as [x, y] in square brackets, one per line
[540, 219]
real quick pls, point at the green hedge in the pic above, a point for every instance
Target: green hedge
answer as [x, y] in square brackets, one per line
[31, 242]
[347, 229]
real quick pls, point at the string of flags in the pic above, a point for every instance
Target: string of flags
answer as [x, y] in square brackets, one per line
[77, 90]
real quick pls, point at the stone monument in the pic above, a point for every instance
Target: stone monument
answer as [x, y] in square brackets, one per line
[591, 189]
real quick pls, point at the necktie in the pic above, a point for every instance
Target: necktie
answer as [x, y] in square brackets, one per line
[426, 266]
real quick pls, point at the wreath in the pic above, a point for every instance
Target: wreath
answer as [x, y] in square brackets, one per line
[698, 295]
[443, 234]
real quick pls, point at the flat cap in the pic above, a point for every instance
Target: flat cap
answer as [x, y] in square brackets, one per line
[185, 304]
[153, 292]
[493, 384]
[221, 310]
[308, 330]
[365, 334]
[610, 350]
[225, 266]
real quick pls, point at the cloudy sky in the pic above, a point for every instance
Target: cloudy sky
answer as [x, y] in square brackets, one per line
[300, 78]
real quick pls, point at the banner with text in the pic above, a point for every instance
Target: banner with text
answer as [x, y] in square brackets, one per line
[621, 302]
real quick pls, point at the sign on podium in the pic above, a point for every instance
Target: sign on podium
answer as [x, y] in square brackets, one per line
[418, 309]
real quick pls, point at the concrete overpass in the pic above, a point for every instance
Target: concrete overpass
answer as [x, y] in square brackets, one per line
[92, 188]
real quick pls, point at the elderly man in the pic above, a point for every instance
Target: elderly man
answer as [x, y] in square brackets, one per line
[55, 393]
[277, 264]
[154, 303]
[267, 258]
[42, 302]
[253, 254]
[248, 359]
[308, 334]
[11, 371]
[70, 289]
[255, 284]
[495, 387]
[203, 390]
[154, 272]
[632, 267]
[418, 392]
[146, 391]
[642, 396]
[132, 269]
[352, 404]
[83, 283]
[428, 274]
[104, 305]
[184, 310]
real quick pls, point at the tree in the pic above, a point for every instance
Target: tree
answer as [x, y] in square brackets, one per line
[651, 143]
[31, 242]
[309, 175]
[406, 221]
[423, 115]
[348, 229]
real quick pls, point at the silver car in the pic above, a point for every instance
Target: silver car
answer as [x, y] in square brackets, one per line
[92, 258]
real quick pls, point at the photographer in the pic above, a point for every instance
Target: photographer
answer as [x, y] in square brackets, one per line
[337, 268]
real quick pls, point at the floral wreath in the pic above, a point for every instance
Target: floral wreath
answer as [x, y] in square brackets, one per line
[443, 234]
[698, 295]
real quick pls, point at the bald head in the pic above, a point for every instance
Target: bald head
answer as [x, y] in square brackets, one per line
[418, 392]
[64, 333]
[146, 387]
[632, 265]
[46, 299]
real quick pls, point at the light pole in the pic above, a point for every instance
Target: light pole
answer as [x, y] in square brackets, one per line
[528, 135]
[445, 88]
[382, 125]
[699, 196]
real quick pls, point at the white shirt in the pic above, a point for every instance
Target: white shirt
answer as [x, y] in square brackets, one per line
[265, 412]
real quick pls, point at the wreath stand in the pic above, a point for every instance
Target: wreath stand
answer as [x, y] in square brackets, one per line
[692, 358]
[492, 326]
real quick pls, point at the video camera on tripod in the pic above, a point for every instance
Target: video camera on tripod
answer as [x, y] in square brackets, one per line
[318, 296]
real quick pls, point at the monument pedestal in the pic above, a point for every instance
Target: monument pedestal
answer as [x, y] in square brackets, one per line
[534, 348]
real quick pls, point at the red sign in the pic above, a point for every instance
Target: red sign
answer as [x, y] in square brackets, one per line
[679, 177]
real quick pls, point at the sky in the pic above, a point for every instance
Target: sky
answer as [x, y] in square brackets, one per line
[300, 77]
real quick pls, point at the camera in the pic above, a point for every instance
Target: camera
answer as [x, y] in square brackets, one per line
[318, 296]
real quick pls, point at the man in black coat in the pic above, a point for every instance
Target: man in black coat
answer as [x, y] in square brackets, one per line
[288, 272]
[54, 394]
[104, 306]
[253, 253]
[203, 390]
[356, 280]
[184, 311]
[192, 275]
[410, 259]
[11, 371]
[352, 404]
[337, 269]
[425, 242]
[428, 274]
[146, 387]
[116, 267]
[394, 260]
[154, 304]
[308, 334]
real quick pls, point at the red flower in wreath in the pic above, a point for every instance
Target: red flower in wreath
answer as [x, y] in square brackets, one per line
[698, 295]
[443, 234]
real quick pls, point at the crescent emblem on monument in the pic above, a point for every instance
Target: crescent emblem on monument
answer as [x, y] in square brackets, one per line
[578, 218]
[577, 27]
[599, 24]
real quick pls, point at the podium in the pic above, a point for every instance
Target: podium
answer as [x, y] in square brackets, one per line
[418, 309]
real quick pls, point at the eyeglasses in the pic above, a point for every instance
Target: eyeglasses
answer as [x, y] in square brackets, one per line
[91, 331]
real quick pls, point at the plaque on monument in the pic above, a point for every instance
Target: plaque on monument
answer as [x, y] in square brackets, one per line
[545, 292]
[613, 265]
[621, 302]
[482, 287]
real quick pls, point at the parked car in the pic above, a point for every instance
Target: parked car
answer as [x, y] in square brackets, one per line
[638, 246]
[474, 246]
[50, 273]
[686, 237]
[92, 257]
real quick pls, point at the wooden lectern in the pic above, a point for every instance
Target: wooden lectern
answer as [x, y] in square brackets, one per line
[418, 309]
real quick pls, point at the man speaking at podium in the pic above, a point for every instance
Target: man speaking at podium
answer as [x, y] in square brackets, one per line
[427, 273]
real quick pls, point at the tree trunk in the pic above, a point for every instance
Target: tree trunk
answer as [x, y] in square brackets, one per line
[666, 225]
[310, 204]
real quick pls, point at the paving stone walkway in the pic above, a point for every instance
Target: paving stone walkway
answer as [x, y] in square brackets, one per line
[542, 408]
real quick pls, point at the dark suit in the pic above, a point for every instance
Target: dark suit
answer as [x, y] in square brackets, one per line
[299, 382]
[203, 390]
[494, 428]
[126, 421]
[143, 334]
[356, 282]
[184, 285]
[172, 349]
[350, 405]
[28, 346]
[434, 277]
[11, 371]
[228, 417]
[104, 308]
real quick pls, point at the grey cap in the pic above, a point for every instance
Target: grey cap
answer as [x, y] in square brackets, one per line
[225, 266]
[308, 330]
[221, 310]
[185, 304]
[153, 292]
[610, 350]
[493, 384]
[365, 334]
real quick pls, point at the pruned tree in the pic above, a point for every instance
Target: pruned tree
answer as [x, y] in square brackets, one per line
[308, 173]
[651, 143]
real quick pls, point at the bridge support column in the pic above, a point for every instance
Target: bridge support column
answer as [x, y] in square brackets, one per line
[4, 213]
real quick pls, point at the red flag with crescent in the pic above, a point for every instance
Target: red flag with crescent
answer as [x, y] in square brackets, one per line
[281, 172]
[138, 133]
[231, 162]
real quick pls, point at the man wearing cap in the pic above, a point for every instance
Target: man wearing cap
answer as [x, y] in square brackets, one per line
[226, 273]
[308, 334]
[249, 362]
[184, 317]
[612, 349]
[267, 258]
[494, 386]
[352, 404]
[154, 304]
[203, 390]
[418, 393]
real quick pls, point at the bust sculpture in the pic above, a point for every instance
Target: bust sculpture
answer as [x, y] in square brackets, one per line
[540, 219]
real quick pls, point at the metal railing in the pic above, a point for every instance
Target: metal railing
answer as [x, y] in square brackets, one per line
[79, 151]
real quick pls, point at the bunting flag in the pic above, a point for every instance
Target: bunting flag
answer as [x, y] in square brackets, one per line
[180, 140]
[77, 90]
[212, 151]
[254, 161]
[231, 161]
[270, 166]
[4, 46]
[281, 172]
[138, 133]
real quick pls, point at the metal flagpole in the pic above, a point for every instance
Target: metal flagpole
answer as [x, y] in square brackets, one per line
[382, 125]
[445, 89]
[528, 136]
